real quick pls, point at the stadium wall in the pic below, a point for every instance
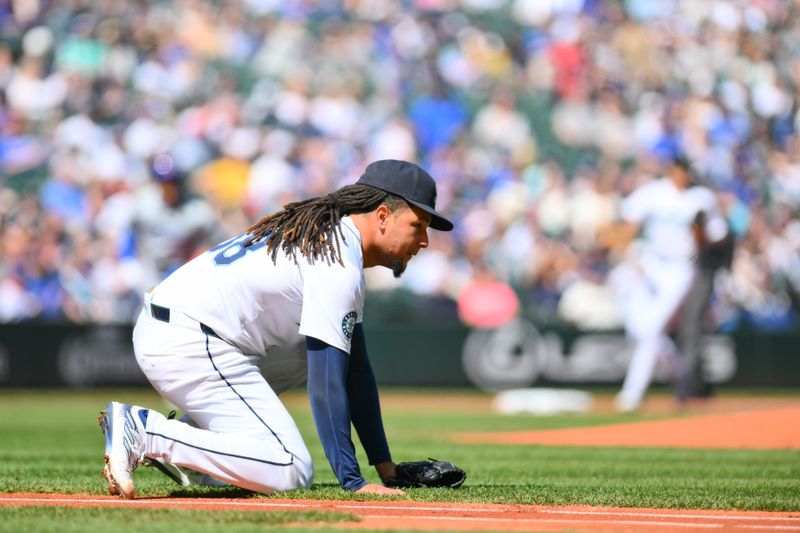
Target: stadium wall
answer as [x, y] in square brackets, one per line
[412, 354]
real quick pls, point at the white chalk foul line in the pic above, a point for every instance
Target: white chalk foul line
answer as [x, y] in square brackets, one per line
[161, 503]
[553, 521]
[674, 515]
[354, 507]
[780, 528]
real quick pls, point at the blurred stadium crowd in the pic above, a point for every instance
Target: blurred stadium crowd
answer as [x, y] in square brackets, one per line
[135, 134]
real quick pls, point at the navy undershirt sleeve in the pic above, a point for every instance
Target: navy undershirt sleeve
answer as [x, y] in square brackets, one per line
[327, 392]
[365, 407]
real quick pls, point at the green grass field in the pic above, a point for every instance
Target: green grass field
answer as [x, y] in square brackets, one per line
[50, 442]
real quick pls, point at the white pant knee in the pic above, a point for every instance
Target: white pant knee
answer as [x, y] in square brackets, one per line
[298, 475]
[303, 475]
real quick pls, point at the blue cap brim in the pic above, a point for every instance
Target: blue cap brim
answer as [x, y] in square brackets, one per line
[438, 222]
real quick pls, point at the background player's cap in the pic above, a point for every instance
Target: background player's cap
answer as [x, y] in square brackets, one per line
[408, 181]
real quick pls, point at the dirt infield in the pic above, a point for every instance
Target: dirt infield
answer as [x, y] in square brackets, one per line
[390, 515]
[766, 428]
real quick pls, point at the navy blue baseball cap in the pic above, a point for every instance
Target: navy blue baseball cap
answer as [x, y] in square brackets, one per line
[409, 182]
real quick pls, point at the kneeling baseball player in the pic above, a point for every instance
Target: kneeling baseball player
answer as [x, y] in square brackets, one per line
[226, 333]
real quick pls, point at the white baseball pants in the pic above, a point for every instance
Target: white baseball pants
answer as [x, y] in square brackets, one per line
[654, 290]
[245, 436]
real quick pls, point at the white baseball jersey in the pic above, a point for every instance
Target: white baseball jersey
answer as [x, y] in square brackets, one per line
[667, 213]
[264, 307]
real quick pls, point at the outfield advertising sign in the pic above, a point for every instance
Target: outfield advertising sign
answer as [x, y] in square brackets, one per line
[446, 354]
[4, 364]
[98, 356]
[519, 355]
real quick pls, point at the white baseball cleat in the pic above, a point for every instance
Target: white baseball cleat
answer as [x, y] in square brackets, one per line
[627, 404]
[123, 426]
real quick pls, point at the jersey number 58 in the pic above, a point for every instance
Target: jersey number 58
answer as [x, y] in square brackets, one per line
[233, 249]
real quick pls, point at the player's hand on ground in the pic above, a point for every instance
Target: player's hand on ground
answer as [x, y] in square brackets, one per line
[373, 488]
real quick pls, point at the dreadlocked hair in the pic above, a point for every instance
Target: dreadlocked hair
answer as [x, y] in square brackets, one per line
[312, 226]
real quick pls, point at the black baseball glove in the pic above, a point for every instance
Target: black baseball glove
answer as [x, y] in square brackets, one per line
[430, 473]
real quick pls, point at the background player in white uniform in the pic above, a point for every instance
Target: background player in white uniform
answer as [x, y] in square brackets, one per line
[290, 292]
[654, 279]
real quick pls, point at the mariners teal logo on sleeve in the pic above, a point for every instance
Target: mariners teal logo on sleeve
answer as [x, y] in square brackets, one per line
[349, 324]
